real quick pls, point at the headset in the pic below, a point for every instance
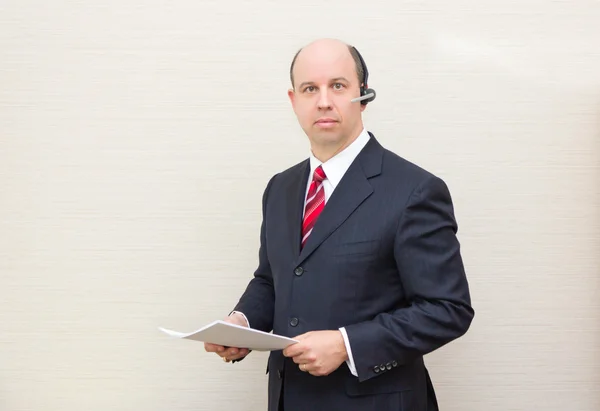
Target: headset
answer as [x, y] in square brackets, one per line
[366, 94]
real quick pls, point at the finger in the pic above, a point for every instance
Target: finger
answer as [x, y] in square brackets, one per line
[314, 369]
[305, 358]
[233, 352]
[299, 359]
[293, 350]
[310, 368]
[222, 353]
[213, 347]
[241, 354]
[302, 336]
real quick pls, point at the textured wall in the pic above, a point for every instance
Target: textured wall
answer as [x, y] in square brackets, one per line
[136, 139]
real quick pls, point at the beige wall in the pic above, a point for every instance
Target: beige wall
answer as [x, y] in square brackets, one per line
[136, 139]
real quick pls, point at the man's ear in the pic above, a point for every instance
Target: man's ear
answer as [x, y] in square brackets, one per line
[292, 97]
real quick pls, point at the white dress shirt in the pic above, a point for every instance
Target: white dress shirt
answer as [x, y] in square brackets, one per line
[334, 169]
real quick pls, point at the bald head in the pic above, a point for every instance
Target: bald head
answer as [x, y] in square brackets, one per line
[326, 76]
[326, 51]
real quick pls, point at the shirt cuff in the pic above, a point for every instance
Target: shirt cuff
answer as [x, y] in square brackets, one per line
[242, 314]
[350, 360]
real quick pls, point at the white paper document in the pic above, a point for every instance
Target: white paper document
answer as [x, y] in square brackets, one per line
[231, 335]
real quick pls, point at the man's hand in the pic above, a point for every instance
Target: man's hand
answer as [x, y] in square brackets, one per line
[318, 352]
[229, 353]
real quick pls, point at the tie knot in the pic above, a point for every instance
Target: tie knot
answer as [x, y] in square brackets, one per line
[319, 174]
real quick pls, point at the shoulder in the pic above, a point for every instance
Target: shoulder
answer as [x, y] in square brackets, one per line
[415, 188]
[397, 164]
[400, 172]
[289, 175]
[293, 171]
[283, 179]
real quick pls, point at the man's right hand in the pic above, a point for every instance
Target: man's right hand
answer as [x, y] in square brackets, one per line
[229, 353]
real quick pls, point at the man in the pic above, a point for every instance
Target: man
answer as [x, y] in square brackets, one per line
[358, 258]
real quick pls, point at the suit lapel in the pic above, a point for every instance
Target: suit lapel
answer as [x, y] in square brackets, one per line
[352, 190]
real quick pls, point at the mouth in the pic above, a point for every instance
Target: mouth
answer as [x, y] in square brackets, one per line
[325, 122]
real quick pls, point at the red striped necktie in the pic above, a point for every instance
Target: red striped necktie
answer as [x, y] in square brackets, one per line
[315, 202]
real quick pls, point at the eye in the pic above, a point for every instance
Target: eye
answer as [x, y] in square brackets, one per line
[338, 86]
[309, 89]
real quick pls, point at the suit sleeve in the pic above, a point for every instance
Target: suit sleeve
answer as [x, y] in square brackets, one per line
[258, 300]
[431, 270]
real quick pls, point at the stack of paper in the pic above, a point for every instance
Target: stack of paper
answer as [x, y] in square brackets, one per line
[231, 335]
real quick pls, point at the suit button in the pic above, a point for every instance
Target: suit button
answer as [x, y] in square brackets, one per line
[279, 374]
[388, 366]
[394, 364]
[299, 271]
[294, 322]
[376, 369]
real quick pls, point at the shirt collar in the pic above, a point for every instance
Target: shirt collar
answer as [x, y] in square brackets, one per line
[336, 166]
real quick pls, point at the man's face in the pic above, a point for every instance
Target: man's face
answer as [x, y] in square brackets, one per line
[325, 80]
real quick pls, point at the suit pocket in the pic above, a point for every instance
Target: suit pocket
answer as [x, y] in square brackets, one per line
[382, 384]
[356, 248]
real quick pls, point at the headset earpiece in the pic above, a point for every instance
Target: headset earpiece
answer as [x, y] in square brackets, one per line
[371, 98]
[364, 87]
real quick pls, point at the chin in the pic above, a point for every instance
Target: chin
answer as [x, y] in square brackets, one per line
[326, 137]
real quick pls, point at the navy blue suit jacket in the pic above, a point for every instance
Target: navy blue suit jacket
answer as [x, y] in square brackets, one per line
[383, 261]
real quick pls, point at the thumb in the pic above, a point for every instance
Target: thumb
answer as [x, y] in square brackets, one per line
[303, 336]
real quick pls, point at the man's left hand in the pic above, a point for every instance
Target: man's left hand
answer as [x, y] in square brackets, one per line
[318, 352]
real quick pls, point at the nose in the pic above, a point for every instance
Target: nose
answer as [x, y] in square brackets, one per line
[324, 102]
